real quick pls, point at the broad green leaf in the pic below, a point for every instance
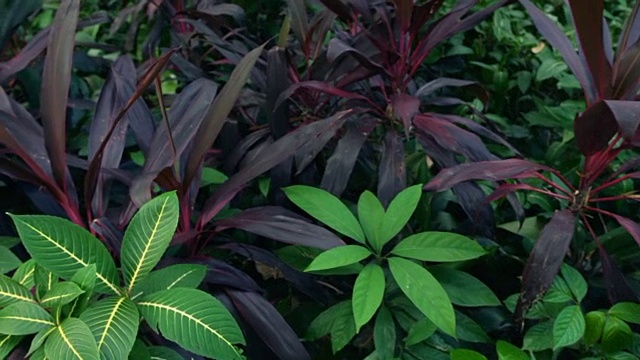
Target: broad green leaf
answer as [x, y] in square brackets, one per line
[384, 334]
[438, 247]
[45, 280]
[299, 257]
[322, 324]
[371, 216]
[39, 339]
[627, 311]
[367, 294]
[11, 291]
[343, 329]
[594, 325]
[464, 289]
[568, 328]
[39, 354]
[195, 320]
[8, 260]
[114, 325]
[575, 281]
[420, 331]
[539, 337]
[64, 248]
[85, 278]
[148, 236]
[72, 339]
[24, 318]
[425, 292]
[179, 275]
[339, 256]
[24, 274]
[164, 353]
[61, 294]
[465, 354]
[616, 335]
[8, 343]
[327, 208]
[469, 330]
[507, 351]
[399, 211]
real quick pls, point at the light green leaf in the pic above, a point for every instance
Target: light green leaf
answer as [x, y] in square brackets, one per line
[212, 176]
[148, 236]
[420, 331]
[71, 340]
[575, 281]
[322, 324]
[24, 274]
[464, 289]
[438, 247]
[464, 354]
[507, 351]
[327, 208]
[63, 248]
[371, 216]
[384, 334]
[539, 337]
[616, 335]
[8, 343]
[61, 294]
[163, 353]
[367, 294]
[179, 275]
[627, 311]
[24, 318]
[339, 256]
[568, 327]
[425, 292]
[8, 260]
[114, 325]
[11, 291]
[594, 325]
[39, 339]
[399, 211]
[195, 320]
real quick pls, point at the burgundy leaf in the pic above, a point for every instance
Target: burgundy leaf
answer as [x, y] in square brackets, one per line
[607, 42]
[392, 174]
[594, 128]
[405, 107]
[545, 261]
[110, 234]
[210, 8]
[243, 148]
[439, 83]
[299, 23]
[626, 115]
[631, 30]
[305, 155]
[321, 87]
[337, 49]
[626, 73]
[484, 170]
[471, 198]
[222, 274]
[277, 83]
[617, 286]
[505, 189]
[283, 225]
[631, 226]
[422, 14]
[480, 130]
[404, 10]
[339, 8]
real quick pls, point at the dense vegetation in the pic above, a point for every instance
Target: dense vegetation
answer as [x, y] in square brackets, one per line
[319, 179]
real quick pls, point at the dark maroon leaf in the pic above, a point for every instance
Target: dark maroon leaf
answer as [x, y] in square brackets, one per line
[594, 128]
[321, 87]
[299, 22]
[471, 199]
[337, 49]
[243, 148]
[283, 225]
[222, 274]
[484, 170]
[305, 155]
[631, 30]
[545, 261]
[480, 130]
[422, 13]
[607, 41]
[626, 115]
[631, 226]
[274, 155]
[392, 174]
[110, 234]
[559, 40]
[439, 83]
[505, 189]
[269, 325]
[405, 107]
[339, 8]
[211, 8]
[43, 201]
[277, 82]
[626, 73]
[617, 286]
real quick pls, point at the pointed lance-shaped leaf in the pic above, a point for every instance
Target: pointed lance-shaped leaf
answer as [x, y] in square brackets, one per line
[392, 173]
[72, 339]
[24, 318]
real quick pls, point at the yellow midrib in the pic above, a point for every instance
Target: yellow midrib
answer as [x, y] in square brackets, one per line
[39, 321]
[66, 340]
[109, 321]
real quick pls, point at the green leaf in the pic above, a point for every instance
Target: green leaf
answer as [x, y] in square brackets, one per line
[575, 281]
[327, 208]
[61, 294]
[140, 351]
[425, 292]
[9, 241]
[343, 329]
[195, 320]
[549, 68]
[539, 337]
[627, 311]
[39, 339]
[371, 216]
[339, 256]
[24, 274]
[322, 324]
[114, 325]
[212, 176]
[616, 335]
[568, 327]
[438, 247]
[85, 278]
[594, 325]
[420, 331]
[11, 291]
[469, 330]
[24, 318]
[71, 340]
[399, 211]
[507, 351]
[63, 248]
[7, 344]
[384, 334]
[45, 280]
[179, 275]
[464, 354]
[148, 236]
[367, 294]
[8, 261]
[163, 353]
[464, 289]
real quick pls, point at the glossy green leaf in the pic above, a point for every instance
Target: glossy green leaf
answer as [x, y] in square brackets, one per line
[425, 292]
[371, 216]
[420, 331]
[39, 339]
[179, 275]
[24, 274]
[61, 294]
[114, 325]
[508, 351]
[465, 354]
[45, 280]
[367, 294]
[399, 211]
[616, 335]
[72, 339]
[11, 291]
[64, 248]
[594, 325]
[627, 311]
[384, 334]
[148, 236]
[8, 260]
[322, 324]
[575, 281]
[469, 330]
[464, 289]
[8, 343]
[326, 208]
[24, 318]
[339, 256]
[438, 247]
[539, 337]
[195, 320]
[569, 326]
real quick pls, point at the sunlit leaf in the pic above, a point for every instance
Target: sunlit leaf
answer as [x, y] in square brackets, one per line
[368, 291]
[438, 247]
[339, 256]
[568, 327]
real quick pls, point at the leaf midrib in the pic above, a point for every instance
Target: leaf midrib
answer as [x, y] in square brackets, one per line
[28, 319]
[109, 321]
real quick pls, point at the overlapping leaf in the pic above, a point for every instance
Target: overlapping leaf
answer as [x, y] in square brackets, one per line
[114, 324]
[11, 291]
[179, 275]
[72, 339]
[23, 318]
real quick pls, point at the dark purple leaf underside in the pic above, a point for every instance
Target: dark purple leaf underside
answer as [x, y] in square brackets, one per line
[337, 49]
[339, 8]
[243, 148]
[305, 155]
[587, 19]
[222, 274]
[631, 30]
[617, 286]
[392, 174]
[439, 31]
[484, 170]
[505, 189]
[559, 40]
[439, 83]
[631, 226]
[283, 225]
[626, 73]
[594, 128]
[299, 23]
[277, 82]
[607, 42]
[405, 107]
[56, 79]
[480, 130]
[471, 199]
[269, 325]
[626, 115]
[320, 87]
[274, 155]
[109, 233]
[545, 260]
